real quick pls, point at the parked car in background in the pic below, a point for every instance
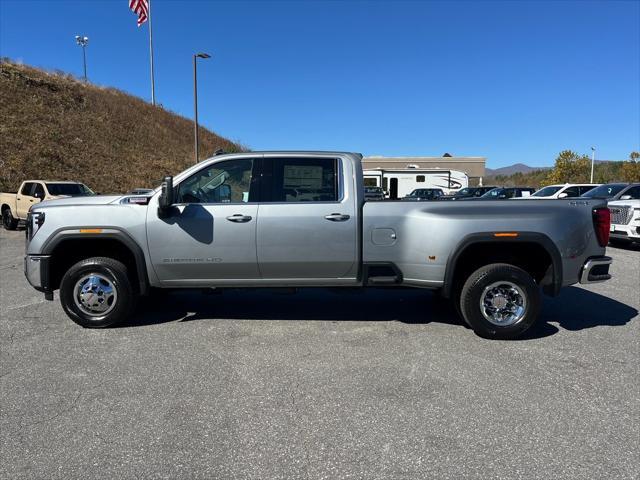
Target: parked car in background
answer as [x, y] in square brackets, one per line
[614, 191]
[568, 190]
[373, 193]
[502, 193]
[469, 192]
[423, 194]
[15, 206]
[625, 220]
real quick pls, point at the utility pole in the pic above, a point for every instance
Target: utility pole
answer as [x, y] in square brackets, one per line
[593, 161]
[195, 99]
[83, 42]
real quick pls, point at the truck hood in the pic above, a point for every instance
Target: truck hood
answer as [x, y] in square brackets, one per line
[89, 200]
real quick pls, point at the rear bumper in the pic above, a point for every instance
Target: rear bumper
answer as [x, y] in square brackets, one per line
[36, 269]
[595, 270]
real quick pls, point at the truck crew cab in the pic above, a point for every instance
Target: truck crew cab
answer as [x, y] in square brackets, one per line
[299, 219]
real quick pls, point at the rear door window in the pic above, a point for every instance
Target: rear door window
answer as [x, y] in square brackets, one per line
[38, 191]
[585, 188]
[302, 180]
[572, 191]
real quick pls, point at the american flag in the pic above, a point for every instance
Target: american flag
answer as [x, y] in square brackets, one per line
[140, 8]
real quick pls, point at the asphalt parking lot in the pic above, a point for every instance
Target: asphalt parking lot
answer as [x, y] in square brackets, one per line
[383, 384]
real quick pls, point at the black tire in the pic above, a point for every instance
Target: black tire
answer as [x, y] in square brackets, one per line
[8, 222]
[110, 270]
[472, 292]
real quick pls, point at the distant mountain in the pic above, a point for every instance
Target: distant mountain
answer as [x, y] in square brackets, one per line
[511, 169]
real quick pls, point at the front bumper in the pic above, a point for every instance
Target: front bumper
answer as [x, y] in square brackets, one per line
[595, 270]
[627, 232]
[36, 269]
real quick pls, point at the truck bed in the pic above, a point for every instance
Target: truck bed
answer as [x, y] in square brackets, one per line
[419, 237]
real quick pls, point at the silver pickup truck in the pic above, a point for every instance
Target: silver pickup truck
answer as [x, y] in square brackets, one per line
[299, 219]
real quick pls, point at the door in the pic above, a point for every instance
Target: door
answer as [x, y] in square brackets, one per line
[24, 199]
[209, 236]
[307, 220]
[393, 189]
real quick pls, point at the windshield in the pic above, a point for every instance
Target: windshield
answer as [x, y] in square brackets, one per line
[68, 189]
[547, 191]
[605, 191]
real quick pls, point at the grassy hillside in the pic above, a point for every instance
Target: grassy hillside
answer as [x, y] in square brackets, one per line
[54, 126]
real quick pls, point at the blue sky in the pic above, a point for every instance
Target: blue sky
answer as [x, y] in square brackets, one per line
[513, 81]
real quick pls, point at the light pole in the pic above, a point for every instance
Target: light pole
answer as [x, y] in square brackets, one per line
[83, 42]
[195, 98]
[593, 161]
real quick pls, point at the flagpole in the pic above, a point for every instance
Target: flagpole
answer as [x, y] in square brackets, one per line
[153, 88]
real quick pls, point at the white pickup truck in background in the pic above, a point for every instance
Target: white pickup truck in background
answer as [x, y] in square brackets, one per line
[15, 206]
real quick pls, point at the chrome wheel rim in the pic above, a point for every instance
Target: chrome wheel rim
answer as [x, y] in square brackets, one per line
[95, 295]
[503, 303]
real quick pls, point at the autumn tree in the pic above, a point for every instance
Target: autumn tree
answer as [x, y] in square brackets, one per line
[570, 167]
[631, 168]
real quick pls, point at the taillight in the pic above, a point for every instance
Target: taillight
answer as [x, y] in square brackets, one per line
[602, 224]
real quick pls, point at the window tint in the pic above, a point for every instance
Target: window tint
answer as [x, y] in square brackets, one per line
[71, 189]
[27, 189]
[420, 178]
[634, 192]
[584, 189]
[571, 192]
[38, 191]
[222, 182]
[304, 180]
[547, 191]
[604, 191]
[370, 182]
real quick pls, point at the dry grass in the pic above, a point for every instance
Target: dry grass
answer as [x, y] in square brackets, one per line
[54, 126]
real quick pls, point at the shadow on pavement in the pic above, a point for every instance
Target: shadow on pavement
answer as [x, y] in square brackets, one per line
[574, 309]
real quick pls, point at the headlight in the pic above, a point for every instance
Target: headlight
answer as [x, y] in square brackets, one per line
[34, 221]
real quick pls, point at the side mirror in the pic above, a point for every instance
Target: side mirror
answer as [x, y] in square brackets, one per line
[563, 195]
[166, 196]
[625, 197]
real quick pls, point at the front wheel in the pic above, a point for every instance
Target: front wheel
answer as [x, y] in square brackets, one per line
[500, 301]
[96, 292]
[8, 222]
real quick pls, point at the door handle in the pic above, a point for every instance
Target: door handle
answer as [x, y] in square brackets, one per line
[239, 218]
[337, 217]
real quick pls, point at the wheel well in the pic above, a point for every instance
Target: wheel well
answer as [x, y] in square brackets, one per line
[532, 257]
[70, 251]
[4, 207]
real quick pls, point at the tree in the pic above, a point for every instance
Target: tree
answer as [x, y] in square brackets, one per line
[631, 168]
[570, 167]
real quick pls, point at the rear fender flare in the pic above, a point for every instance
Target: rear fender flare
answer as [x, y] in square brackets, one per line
[489, 237]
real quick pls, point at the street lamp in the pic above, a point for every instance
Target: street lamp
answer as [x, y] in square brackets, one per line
[83, 42]
[593, 161]
[195, 98]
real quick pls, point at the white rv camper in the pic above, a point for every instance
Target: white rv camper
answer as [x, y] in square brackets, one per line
[398, 183]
